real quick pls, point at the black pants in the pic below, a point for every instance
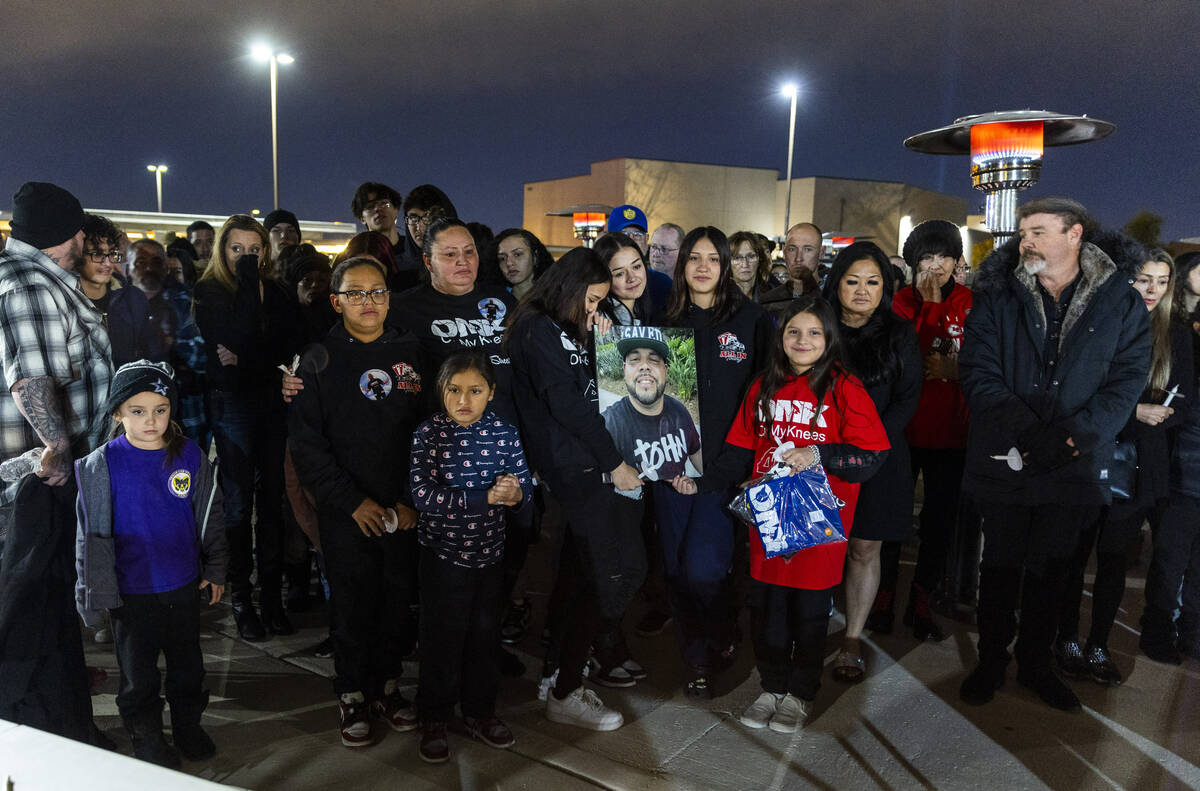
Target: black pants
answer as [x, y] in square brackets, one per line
[1173, 581]
[1111, 539]
[369, 584]
[943, 470]
[144, 627]
[520, 530]
[460, 628]
[602, 565]
[251, 438]
[1038, 541]
[788, 626]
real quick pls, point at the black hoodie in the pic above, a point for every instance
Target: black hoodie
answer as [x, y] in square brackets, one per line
[350, 429]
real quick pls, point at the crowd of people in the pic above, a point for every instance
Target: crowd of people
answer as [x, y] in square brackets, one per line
[210, 417]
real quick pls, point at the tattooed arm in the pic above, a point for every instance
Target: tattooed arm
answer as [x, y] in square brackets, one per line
[41, 404]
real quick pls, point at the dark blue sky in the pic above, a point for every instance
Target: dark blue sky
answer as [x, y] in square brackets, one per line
[479, 97]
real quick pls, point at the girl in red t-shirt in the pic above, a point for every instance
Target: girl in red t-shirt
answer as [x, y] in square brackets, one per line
[807, 398]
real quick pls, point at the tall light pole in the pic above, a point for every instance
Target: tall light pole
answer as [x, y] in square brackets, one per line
[265, 53]
[158, 170]
[790, 90]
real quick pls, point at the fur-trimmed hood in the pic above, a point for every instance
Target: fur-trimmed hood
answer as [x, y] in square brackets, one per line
[1123, 252]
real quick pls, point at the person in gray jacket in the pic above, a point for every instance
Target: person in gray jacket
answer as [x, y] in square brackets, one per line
[149, 535]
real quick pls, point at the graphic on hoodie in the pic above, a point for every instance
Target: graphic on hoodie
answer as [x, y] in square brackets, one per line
[375, 384]
[492, 309]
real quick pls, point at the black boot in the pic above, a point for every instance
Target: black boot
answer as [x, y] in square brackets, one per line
[189, 737]
[249, 627]
[145, 731]
[999, 589]
[1159, 639]
[275, 617]
[920, 615]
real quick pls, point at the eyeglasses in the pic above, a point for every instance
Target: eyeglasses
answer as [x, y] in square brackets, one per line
[413, 220]
[658, 248]
[378, 296]
[633, 233]
[377, 204]
[97, 257]
[749, 258]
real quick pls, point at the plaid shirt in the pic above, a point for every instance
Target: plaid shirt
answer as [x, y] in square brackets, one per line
[49, 328]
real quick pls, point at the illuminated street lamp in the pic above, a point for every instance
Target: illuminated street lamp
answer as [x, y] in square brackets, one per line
[792, 91]
[264, 53]
[158, 170]
[1006, 154]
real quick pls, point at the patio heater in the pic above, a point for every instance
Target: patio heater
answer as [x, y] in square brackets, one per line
[589, 220]
[1006, 149]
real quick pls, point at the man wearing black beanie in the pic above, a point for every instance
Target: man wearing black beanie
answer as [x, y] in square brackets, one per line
[284, 230]
[56, 360]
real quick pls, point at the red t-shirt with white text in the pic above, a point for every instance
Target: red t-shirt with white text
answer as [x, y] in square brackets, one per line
[847, 416]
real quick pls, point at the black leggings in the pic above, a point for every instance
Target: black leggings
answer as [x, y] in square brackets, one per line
[788, 626]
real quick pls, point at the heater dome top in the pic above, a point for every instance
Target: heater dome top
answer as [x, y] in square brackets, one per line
[1059, 130]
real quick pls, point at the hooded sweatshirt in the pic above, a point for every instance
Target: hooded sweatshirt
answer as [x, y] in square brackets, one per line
[350, 428]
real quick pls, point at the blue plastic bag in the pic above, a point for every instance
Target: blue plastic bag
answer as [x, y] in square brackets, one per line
[791, 512]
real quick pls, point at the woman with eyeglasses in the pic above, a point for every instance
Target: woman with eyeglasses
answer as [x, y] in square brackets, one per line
[751, 264]
[250, 327]
[351, 439]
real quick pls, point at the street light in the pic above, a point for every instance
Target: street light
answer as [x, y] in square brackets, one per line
[790, 90]
[158, 170]
[264, 53]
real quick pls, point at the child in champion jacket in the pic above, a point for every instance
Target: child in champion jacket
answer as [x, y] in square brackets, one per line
[467, 466]
[150, 534]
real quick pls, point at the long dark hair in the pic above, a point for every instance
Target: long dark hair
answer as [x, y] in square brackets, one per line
[870, 350]
[559, 294]
[489, 257]
[608, 246]
[821, 377]
[728, 296]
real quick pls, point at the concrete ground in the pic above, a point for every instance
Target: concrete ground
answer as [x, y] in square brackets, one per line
[274, 720]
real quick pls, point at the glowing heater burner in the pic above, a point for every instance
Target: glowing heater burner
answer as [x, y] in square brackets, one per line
[589, 225]
[1006, 154]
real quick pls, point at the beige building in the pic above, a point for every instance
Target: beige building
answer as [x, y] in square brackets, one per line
[735, 198]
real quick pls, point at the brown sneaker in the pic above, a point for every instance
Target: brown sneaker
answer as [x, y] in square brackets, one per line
[491, 731]
[435, 749]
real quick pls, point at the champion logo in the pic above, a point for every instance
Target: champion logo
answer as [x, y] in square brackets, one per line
[730, 348]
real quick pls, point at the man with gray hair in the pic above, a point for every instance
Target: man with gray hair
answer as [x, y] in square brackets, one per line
[664, 248]
[1055, 354]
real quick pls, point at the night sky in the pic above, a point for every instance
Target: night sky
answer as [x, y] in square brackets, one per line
[480, 97]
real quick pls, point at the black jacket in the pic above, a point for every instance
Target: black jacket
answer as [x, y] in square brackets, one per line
[1152, 442]
[729, 354]
[1104, 355]
[886, 500]
[262, 333]
[554, 387]
[350, 429]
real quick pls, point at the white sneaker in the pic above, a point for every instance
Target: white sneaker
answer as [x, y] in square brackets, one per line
[759, 713]
[584, 709]
[790, 714]
[546, 684]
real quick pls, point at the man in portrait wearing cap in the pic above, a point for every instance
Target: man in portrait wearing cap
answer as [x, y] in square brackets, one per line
[654, 431]
[631, 221]
[56, 360]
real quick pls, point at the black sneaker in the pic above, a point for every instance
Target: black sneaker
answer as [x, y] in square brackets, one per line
[152, 748]
[1101, 667]
[1070, 658]
[435, 747]
[516, 622]
[1053, 691]
[323, 649]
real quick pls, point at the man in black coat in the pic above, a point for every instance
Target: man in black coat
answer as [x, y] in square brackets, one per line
[1055, 355]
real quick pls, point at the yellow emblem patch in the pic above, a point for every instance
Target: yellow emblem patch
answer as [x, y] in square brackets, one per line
[181, 483]
[629, 214]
